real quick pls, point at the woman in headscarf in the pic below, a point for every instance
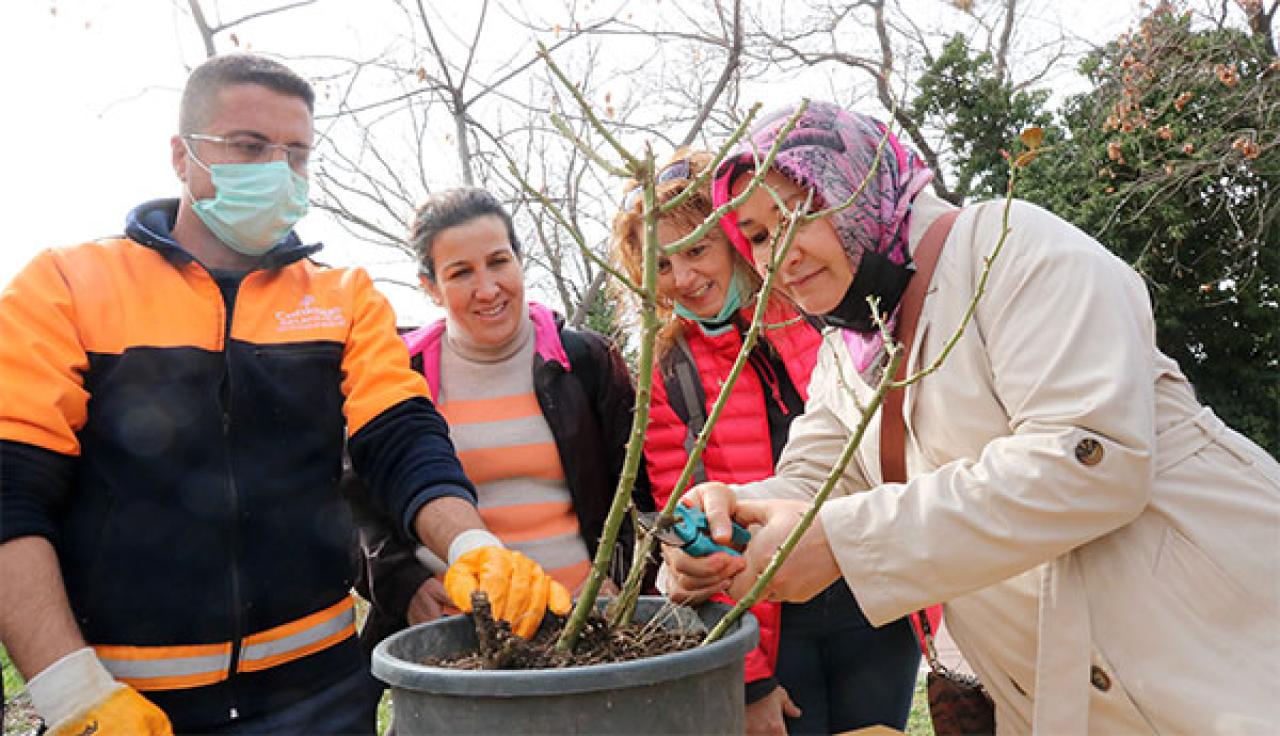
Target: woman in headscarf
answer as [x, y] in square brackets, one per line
[1107, 549]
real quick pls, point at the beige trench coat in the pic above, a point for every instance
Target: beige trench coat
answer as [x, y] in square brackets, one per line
[1108, 551]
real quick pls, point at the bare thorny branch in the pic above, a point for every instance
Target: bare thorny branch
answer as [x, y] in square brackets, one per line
[640, 169]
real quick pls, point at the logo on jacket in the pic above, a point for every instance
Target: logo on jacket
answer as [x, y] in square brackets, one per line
[309, 317]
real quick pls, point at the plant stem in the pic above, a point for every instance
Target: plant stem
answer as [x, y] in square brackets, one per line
[624, 607]
[633, 163]
[713, 219]
[784, 551]
[701, 180]
[875, 164]
[635, 444]
[546, 202]
[979, 290]
[563, 128]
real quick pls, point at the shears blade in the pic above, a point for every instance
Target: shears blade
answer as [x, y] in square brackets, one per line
[666, 535]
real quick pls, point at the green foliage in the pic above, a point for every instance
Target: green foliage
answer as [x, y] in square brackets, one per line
[19, 718]
[919, 723]
[603, 316]
[980, 113]
[1173, 162]
[13, 681]
[384, 713]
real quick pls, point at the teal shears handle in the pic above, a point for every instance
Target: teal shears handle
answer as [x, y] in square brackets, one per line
[691, 526]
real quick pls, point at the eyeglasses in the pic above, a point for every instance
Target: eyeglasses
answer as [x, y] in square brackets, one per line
[247, 148]
[678, 169]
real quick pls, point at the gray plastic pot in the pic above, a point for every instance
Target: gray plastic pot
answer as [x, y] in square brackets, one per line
[697, 691]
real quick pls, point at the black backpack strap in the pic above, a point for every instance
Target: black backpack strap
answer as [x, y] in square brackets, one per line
[581, 363]
[686, 396]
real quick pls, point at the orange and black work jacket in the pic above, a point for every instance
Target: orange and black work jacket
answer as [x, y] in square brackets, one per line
[178, 438]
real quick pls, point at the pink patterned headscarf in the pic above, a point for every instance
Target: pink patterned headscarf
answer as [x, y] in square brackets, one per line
[830, 151]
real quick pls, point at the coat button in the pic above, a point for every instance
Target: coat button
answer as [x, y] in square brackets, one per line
[1099, 678]
[1089, 451]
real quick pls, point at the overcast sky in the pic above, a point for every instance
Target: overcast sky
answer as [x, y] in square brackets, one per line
[90, 91]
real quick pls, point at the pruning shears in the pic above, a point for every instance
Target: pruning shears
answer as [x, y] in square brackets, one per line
[691, 533]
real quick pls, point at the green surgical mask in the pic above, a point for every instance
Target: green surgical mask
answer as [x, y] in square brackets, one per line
[721, 322]
[255, 206]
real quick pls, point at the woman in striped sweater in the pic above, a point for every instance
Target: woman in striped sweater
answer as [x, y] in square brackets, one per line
[539, 412]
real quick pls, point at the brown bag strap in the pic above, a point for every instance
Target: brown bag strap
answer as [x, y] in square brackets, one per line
[893, 465]
[893, 462]
[930, 648]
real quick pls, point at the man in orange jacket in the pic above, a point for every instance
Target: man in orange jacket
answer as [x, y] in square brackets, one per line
[175, 403]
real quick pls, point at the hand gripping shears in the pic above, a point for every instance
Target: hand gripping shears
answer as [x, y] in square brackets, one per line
[691, 533]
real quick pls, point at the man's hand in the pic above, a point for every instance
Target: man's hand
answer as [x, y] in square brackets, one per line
[691, 580]
[429, 603]
[809, 569]
[518, 589]
[123, 713]
[765, 717]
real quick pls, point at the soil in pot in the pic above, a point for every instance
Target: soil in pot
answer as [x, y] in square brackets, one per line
[501, 649]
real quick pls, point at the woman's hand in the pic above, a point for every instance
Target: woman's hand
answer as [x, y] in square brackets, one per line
[692, 580]
[429, 603]
[718, 502]
[766, 716]
[809, 569]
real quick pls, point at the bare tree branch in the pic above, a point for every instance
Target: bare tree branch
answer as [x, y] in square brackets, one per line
[475, 42]
[206, 33]
[1002, 49]
[594, 289]
[730, 68]
[258, 14]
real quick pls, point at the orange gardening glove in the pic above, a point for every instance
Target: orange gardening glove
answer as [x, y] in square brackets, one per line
[519, 591]
[122, 713]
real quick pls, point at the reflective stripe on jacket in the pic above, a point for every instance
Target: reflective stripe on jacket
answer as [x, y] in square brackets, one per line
[178, 667]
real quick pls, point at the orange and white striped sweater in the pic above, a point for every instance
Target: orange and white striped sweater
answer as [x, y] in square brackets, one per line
[509, 453]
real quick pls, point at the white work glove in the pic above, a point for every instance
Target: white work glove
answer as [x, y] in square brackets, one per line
[76, 696]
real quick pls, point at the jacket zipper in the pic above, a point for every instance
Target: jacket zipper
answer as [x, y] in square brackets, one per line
[237, 623]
